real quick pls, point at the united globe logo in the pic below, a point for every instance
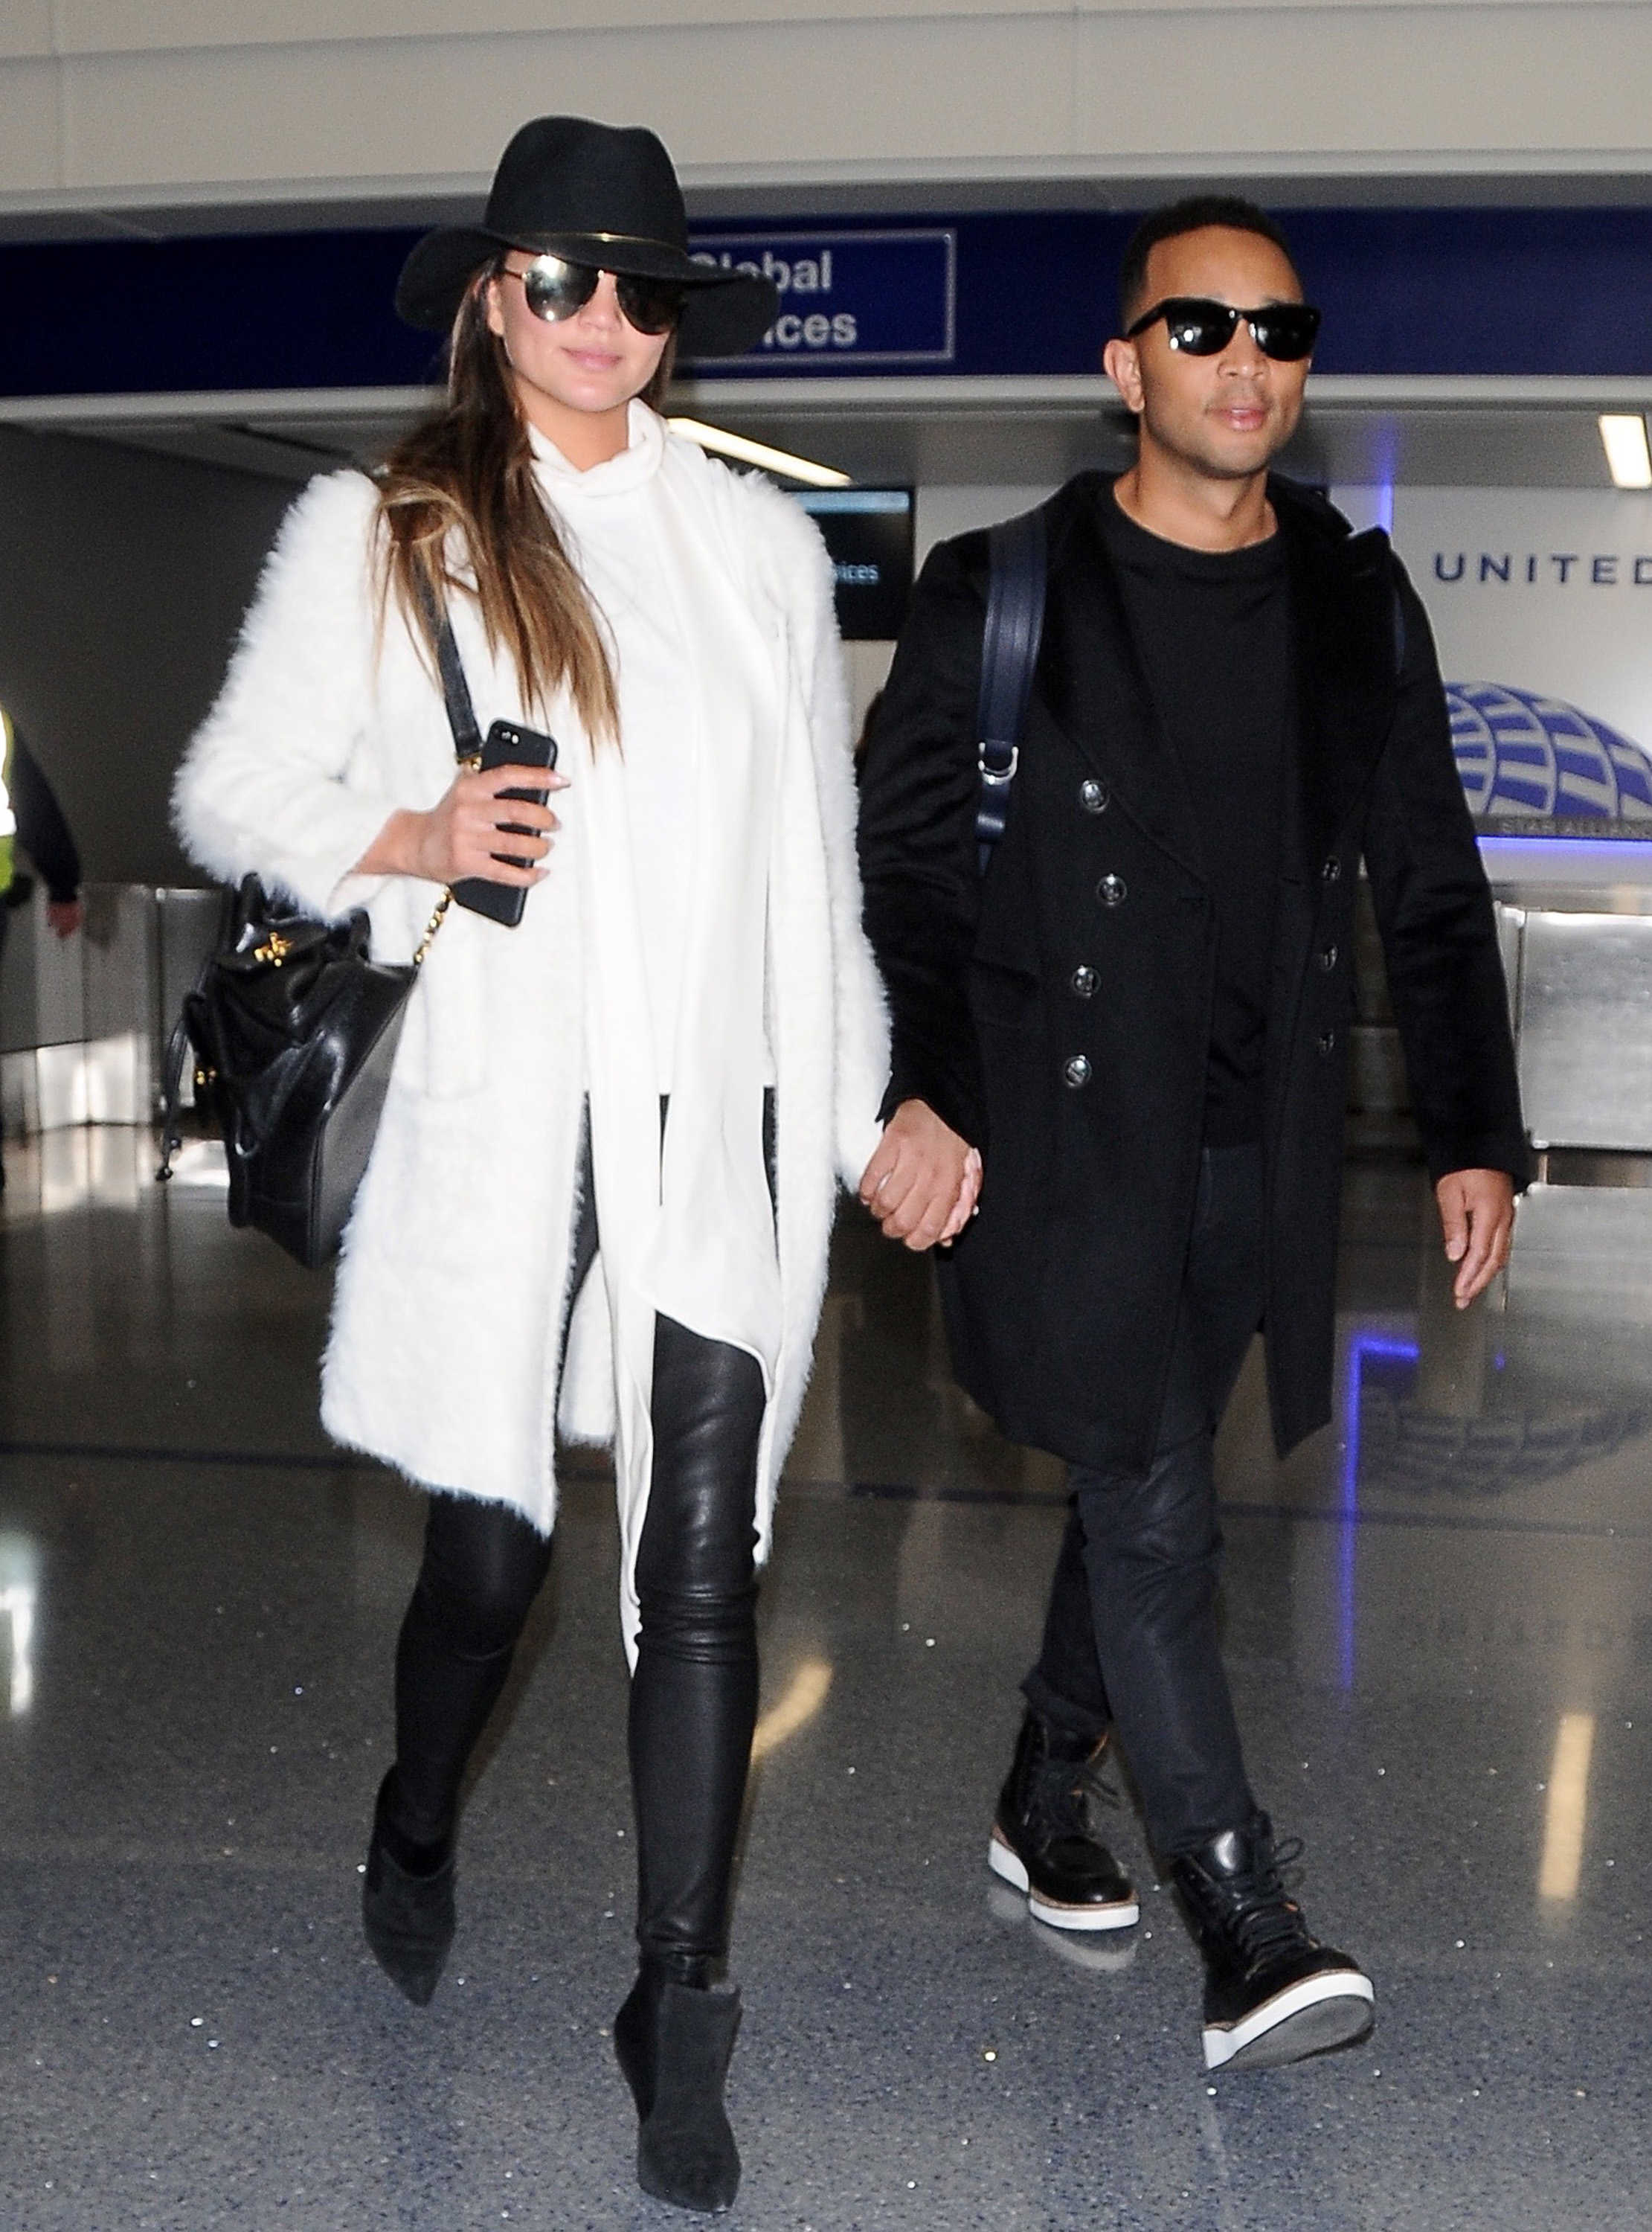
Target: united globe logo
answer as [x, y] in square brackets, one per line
[1518, 753]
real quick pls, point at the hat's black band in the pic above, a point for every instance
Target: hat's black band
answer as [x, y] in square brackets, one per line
[610, 239]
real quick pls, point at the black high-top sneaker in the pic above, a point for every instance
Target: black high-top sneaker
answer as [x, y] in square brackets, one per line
[1272, 1992]
[1044, 1839]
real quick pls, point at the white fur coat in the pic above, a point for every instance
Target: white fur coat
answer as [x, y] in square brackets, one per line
[442, 1355]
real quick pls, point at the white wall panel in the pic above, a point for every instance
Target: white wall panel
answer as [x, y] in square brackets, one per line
[96, 26]
[716, 96]
[158, 94]
[30, 143]
[943, 512]
[26, 27]
[1344, 83]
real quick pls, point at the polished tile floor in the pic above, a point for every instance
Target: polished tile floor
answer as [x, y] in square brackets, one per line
[1439, 1620]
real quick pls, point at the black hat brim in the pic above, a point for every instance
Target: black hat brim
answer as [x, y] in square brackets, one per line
[724, 312]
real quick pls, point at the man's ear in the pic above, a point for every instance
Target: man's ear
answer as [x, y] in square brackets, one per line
[1122, 365]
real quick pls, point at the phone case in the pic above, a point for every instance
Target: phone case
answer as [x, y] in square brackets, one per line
[507, 745]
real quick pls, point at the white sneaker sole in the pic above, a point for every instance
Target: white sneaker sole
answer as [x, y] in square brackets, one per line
[1312, 2017]
[1120, 1915]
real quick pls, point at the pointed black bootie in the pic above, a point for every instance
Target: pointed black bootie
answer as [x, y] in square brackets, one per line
[407, 1910]
[673, 2044]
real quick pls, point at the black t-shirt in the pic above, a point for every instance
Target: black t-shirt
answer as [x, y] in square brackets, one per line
[1213, 631]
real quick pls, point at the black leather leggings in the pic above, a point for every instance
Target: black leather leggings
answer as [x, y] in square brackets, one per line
[693, 1694]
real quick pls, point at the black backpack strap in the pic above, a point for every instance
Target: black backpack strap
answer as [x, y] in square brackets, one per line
[461, 714]
[1009, 651]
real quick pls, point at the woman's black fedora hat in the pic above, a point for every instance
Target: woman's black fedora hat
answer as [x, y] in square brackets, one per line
[596, 193]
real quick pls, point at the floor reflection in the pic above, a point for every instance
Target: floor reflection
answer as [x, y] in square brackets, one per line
[19, 1601]
[84, 1166]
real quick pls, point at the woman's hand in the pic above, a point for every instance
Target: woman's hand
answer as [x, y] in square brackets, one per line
[463, 833]
[968, 1194]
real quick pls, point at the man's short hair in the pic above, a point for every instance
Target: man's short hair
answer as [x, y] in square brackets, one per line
[1192, 214]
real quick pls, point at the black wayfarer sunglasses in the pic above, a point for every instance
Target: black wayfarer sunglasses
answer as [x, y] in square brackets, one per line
[554, 288]
[1199, 326]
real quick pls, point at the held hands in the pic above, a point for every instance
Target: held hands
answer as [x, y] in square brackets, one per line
[1477, 1219]
[463, 832]
[922, 1183]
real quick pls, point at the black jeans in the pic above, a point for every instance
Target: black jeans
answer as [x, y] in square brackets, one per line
[694, 1693]
[1129, 1636]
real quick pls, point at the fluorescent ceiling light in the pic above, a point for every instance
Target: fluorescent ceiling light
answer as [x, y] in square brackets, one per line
[759, 453]
[1627, 459]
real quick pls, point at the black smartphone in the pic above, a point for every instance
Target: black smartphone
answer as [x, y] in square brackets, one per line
[507, 745]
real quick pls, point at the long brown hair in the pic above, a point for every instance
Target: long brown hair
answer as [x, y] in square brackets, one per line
[467, 472]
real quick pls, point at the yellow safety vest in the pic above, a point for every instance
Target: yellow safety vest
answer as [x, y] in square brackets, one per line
[8, 819]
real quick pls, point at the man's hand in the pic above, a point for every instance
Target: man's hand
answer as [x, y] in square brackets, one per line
[65, 916]
[1477, 1218]
[922, 1184]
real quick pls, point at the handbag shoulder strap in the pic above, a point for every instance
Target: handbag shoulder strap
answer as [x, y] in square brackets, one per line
[456, 690]
[1009, 649]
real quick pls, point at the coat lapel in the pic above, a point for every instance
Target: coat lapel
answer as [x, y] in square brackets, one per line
[1343, 622]
[1091, 684]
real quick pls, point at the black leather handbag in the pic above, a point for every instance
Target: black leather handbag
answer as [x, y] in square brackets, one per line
[293, 1028]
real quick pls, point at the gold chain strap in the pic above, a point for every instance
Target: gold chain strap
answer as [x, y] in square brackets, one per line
[438, 915]
[471, 761]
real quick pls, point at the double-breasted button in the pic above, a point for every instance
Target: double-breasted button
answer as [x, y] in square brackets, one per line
[1327, 1041]
[1093, 796]
[1333, 870]
[1112, 890]
[1083, 981]
[1329, 958]
[1076, 1070]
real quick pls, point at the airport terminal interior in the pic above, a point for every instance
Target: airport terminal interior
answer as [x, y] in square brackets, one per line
[1436, 1613]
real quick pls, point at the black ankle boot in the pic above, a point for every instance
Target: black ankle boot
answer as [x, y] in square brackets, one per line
[673, 2043]
[407, 1903]
[1044, 1839]
[1272, 1992]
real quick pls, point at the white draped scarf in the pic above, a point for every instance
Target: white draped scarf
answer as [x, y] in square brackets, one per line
[687, 1231]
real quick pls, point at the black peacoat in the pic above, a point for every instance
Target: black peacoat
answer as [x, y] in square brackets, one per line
[1057, 1013]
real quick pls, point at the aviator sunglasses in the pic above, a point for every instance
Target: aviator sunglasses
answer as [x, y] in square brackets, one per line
[1198, 326]
[556, 288]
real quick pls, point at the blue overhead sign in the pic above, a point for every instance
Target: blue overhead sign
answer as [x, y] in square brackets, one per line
[984, 293]
[870, 297]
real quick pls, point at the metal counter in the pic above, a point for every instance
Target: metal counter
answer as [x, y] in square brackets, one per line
[1574, 916]
[84, 1020]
